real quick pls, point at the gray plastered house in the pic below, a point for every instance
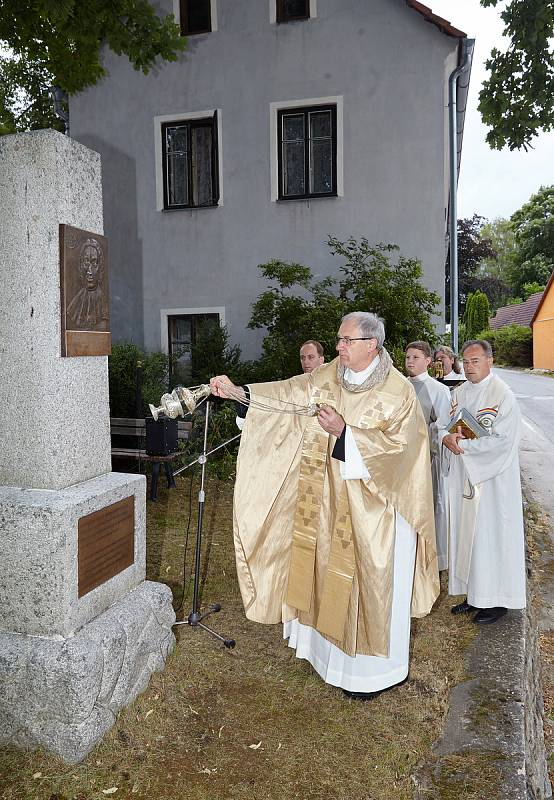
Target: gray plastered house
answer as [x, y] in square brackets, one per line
[285, 122]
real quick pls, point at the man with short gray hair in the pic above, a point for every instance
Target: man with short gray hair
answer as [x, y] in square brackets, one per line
[486, 540]
[334, 529]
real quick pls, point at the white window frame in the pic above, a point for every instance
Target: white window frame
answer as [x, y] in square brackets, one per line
[273, 11]
[181, 312]
[213, 14]
[158, 152]
[281, 105]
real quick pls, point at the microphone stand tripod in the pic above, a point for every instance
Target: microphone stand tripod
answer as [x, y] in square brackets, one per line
[195, 618]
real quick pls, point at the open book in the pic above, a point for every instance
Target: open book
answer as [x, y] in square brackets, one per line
[471, 429]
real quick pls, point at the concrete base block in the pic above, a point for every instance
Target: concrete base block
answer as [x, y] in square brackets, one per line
[64, 694]
[39, 554]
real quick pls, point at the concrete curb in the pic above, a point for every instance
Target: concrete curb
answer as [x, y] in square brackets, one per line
[492, 745]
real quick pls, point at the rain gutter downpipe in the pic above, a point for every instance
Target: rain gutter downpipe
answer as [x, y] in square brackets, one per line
[466, 45]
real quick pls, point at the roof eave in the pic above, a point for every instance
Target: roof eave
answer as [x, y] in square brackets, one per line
[442, 24]
[546, 290]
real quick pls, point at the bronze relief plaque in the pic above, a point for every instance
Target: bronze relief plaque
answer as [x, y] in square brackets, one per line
[106, 544]
[84, 293]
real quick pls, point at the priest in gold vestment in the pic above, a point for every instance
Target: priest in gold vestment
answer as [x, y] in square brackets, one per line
[333, 513]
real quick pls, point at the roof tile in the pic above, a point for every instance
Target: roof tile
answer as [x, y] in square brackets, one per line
[442, 24]
[517, 314]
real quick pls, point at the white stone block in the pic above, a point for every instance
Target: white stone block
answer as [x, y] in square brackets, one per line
[64, 694]
[55, 411]
[39, 554]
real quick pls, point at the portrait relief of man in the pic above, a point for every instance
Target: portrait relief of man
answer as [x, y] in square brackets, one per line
[88, 309]
[84, 296]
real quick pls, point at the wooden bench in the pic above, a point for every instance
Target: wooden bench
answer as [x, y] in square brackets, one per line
[136, 428]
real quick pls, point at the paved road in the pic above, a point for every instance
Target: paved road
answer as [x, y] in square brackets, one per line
[536, 398]
[535, 394]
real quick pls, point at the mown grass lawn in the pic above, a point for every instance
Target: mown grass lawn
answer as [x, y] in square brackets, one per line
[254, 722]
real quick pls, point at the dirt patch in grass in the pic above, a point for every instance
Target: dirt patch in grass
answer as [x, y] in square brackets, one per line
[254, 722]
[469, 775]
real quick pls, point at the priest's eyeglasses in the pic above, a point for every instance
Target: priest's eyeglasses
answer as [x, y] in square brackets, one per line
[347, 340]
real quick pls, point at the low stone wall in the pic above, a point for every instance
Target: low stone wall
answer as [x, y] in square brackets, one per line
[536, 766]
[492, 745]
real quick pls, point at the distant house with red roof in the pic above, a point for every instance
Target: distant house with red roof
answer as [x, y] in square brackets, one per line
[518, 313]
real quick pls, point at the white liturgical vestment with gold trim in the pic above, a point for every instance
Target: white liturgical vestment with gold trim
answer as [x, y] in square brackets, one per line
[486, 538]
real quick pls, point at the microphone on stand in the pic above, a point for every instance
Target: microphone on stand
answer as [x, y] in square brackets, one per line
[173, 405]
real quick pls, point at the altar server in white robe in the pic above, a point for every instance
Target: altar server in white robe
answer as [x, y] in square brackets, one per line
[486, 538]
[434, 399]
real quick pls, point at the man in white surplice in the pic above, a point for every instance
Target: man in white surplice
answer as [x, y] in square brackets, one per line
[434, 399]
[486, 539]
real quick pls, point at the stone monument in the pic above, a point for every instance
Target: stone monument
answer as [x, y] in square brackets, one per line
[81, 630]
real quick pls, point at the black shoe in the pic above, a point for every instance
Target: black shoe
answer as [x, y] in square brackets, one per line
[486, 616]
[362, 695]
[371, 695]
[462, 608]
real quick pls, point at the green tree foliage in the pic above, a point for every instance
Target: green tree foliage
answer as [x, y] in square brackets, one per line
[293, 309]
[500, 233]
[532, 288]
[527, 290]
[517, 100]
[24, 97]
[533, 226]
[136, 379]
[511, 345]
[372, 278]
[474, 249]
[58, 42]
[213, 355]
[476, 318]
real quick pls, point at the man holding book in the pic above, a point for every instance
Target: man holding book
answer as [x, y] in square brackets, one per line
[480, 445]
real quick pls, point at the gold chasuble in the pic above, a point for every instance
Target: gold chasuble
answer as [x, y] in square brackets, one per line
[312, 545]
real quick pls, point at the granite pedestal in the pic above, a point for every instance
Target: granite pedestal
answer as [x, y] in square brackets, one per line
[81, 630]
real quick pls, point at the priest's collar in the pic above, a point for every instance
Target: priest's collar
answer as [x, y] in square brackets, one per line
[374, 374]
[481, 383]
[359, 377]
[422, 377]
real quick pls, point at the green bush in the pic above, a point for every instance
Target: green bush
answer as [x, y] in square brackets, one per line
[476, 317]
[136, 379]
[222, 428]
[511, 345]
[371, 278]
[212, 354]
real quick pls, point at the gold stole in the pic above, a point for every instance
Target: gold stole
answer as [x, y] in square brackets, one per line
[337, 585]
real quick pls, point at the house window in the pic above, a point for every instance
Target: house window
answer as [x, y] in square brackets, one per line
[195, 16]
[183, 332]
[289, 10]
[190, 163]
[307, 152]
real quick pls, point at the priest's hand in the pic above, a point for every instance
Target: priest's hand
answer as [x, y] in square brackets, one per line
[330, 421]
[222, 386]
[451, 441]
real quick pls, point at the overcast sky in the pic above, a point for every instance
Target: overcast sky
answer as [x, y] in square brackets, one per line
[492, 183]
